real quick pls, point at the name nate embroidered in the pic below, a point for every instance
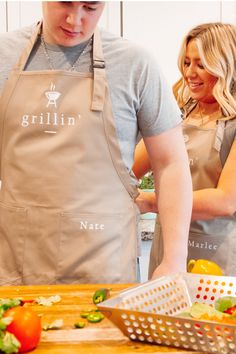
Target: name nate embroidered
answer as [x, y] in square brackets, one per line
[85, 225]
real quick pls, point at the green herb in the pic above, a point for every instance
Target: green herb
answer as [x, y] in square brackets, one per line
[147, 182]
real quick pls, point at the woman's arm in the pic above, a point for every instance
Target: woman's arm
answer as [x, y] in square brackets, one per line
[142, 162]
[146, 201]
[207, 203]
[221, 201]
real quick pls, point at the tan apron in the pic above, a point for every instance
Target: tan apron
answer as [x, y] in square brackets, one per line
[67, 211]
[208, 239]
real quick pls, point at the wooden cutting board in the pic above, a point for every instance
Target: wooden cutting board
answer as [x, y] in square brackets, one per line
[94, 338]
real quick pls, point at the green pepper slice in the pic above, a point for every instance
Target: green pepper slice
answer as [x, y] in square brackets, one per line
[84, 314]
[79, 324]
[100, 295]
[95, 317]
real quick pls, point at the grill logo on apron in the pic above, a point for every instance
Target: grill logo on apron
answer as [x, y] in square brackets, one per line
[50, 118]
[52, 96]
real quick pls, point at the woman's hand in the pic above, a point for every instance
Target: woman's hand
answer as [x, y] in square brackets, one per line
[146, 202]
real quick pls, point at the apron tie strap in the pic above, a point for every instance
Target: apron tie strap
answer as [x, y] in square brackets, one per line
[99, 82]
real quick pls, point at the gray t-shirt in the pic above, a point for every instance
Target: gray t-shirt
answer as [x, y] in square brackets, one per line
[141, 100]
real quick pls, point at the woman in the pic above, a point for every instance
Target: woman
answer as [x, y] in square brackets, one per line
[206, 95]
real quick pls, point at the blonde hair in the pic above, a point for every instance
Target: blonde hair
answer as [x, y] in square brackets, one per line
[216, 44]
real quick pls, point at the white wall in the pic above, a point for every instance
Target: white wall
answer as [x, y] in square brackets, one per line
[2, 16]
[161, 25]
[22, 13]
[110, 19]
[228, 11]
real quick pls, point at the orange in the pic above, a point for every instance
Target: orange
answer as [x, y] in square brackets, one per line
[203, 266]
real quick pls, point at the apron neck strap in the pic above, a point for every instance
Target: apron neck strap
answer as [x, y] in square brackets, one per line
[99, 82]
[220, 129]
[20, 65]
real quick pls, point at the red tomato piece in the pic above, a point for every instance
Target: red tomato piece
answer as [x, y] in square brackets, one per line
[231, 310]
[26, 326]
[27, 301]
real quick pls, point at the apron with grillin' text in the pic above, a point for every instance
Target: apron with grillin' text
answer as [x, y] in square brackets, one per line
[67, 211]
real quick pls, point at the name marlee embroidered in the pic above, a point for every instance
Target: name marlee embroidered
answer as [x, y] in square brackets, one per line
[204, 245]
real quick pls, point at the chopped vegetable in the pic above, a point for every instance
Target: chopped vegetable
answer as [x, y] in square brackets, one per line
[4, 322]
[224, 311]
[101, 295]
[95, 317]
[6, 304]
[199, 310]
[47, 301]
[224, 303]
[85, 313]
[92, 316]
[26, 301]
[57, 324]
[231, 311]
[8, 343]
[79, 324]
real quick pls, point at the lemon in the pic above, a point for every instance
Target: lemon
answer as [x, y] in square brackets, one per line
[203, 266]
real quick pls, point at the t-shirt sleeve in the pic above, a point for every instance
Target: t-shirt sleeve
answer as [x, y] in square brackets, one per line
[158, 110]
[11, 46]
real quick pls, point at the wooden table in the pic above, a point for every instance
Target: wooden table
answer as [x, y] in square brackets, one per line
[94, 338]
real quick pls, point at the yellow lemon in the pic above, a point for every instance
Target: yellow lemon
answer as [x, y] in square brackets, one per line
[203, 266]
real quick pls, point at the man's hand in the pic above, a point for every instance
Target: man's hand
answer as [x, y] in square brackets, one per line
[168, 268]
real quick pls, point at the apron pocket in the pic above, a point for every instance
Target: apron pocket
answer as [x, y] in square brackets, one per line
[93, 248]
[12, 231]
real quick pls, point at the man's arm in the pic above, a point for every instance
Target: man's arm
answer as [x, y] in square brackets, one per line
[173, 186]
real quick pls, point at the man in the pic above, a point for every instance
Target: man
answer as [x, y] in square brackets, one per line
[70, 113]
